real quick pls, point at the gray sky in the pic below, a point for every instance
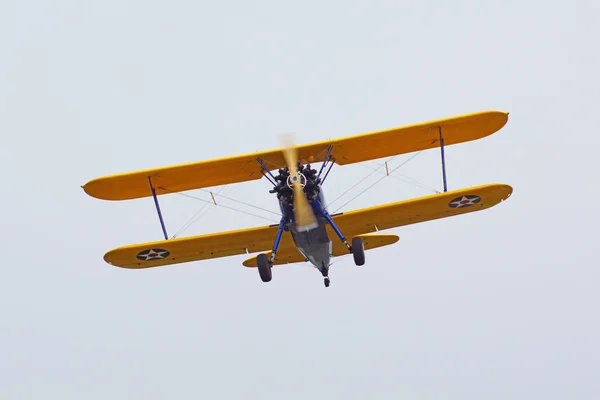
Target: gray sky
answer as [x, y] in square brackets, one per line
[497, 304]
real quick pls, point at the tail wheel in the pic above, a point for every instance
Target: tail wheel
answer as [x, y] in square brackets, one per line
[264, 267]
[358, 251]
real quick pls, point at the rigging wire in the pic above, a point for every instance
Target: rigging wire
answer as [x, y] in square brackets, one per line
[198, 214]
[376, 182]
[227, 207]
[194, 217]
[407, 179]
[241, 202]
[357, 183]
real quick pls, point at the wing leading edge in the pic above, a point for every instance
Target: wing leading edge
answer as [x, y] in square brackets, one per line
[345, 150]
[353, 223]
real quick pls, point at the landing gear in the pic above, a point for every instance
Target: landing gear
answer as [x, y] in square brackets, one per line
[263, 262]
[325, 273]
[264, 267]
[357, 248]
[358, 251]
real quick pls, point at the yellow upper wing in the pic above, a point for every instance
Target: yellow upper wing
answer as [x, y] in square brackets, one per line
[354, 223]
[346, 150]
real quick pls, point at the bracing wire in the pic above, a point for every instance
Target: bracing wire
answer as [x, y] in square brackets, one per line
[208, 209]
[241, 202]
[376, 182]
[195, 217]
[357, 183]
[403, 178]
[227, 207]
[198, 214]
[193, 220]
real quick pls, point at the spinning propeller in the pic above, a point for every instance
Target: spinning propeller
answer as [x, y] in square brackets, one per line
[303, 213]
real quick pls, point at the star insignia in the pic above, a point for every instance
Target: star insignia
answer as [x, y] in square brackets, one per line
[152, 254]
[464, 201]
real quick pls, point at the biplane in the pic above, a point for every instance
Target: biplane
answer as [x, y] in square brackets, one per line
[306, 228]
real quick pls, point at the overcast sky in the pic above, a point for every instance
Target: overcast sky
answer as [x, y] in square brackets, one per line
[497, 304]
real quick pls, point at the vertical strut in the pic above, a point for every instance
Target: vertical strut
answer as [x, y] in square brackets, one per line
[278, 239]
[327, 173]
[325, 161]
[443, 159]
[267, 176]
[162, 223]
[264, 167]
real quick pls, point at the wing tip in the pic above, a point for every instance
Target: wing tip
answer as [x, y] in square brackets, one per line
[97, 190]
[502, 119]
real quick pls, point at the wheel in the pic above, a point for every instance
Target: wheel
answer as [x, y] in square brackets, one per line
[264, 267]
[358, 251]
[326, 281]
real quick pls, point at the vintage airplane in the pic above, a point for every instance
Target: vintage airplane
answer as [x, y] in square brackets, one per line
[299, 190]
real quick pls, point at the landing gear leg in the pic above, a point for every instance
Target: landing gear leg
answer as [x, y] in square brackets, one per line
[357, 249]
[337, 230]
[265, 264]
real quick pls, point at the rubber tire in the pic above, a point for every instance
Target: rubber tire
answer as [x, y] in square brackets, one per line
[358, 251]
[264, 267]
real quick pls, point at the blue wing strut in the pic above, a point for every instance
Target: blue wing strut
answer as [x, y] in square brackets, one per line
[443, 159]
[162, 223]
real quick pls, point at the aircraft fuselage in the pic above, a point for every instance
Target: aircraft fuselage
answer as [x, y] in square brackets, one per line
[314, 244]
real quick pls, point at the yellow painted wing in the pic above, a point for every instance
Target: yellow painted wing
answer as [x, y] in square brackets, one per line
[194, 248]
[353, 223]
[421, 209]
[292, 255]
[346, 150]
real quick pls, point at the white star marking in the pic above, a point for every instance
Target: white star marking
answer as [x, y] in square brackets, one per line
[464, 202]
[155, 255]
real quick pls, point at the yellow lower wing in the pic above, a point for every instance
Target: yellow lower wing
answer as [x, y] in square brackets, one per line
[194, 248]
[421, 209]
[354, 223]
[292, 255]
